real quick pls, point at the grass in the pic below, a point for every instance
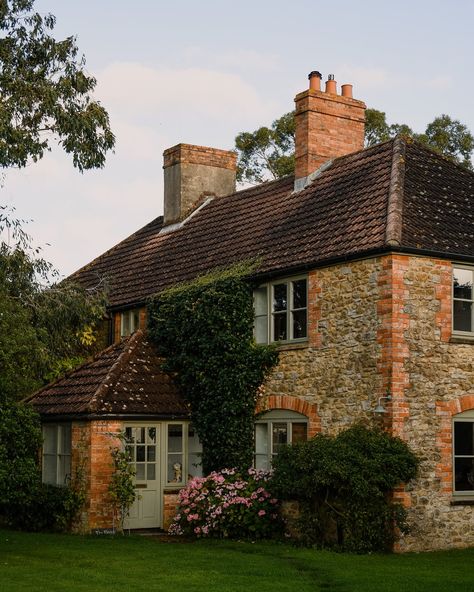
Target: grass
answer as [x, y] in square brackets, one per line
[46, 562]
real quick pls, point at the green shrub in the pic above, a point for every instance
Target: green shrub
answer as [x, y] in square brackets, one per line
[228, 504]
[343, 484]
[48, 508]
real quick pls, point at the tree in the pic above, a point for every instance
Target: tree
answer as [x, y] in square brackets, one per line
[45, 93]
[268, 153]
[46, 326]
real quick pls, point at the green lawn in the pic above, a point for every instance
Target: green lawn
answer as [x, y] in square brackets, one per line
[37, 562]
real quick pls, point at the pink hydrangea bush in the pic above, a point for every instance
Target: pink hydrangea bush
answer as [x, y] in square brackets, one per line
[228, 504]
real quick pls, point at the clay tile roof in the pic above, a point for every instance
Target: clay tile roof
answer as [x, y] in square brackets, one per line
[126, 378]
[395, 194]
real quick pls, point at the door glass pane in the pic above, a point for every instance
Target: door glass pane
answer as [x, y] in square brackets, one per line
[140, 468]
[151, 436]
[140, 435]
[299, 324]
[463, 438]
[464, 474]
[299, 432]
[140, 453]
[462, 283]
[151, 453]
[151, 472]
[299, 294]
[280, 298]
[279, 436]
[279, 327]
[462, 315]
[129, 435]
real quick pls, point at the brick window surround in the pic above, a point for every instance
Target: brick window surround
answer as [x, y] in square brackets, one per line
[293, 404]
[446, 410]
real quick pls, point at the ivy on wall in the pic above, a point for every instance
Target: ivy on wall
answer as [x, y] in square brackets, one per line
[204, 330]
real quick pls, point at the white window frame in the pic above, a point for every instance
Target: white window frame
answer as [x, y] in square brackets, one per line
[465, 417]
[289, 311]
[277, 416]
[59, 453]
[471, 301]
[132, 319]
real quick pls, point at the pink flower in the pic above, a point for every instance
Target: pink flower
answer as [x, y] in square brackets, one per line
[261, 513]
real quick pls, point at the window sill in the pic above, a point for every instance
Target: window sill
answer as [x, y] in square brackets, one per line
[462, 501]
[457, 338]
[291, 346]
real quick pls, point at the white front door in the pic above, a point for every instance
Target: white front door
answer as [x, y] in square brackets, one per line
[143, 441]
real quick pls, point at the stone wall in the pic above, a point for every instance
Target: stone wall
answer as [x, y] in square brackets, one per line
[377, 327]
[336, 371]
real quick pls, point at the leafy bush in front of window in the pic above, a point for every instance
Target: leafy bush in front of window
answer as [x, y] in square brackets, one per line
[228, 504]
[343, 484]
[50, 508]
[204, 330]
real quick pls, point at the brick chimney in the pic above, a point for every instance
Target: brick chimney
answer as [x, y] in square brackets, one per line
[193, 173]
[328, 125]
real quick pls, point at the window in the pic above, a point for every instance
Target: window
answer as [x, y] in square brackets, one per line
[281, 311]
[463, 300]
[56, 453]
[129, 322]
[183, 445]
[463, 474]
[275, 429]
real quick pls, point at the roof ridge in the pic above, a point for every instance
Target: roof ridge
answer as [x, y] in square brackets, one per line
[114, 372]
[393, 229]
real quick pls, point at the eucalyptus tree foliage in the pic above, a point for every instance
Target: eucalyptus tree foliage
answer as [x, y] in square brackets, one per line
[46, 326]
[46, 93]
[268, 152]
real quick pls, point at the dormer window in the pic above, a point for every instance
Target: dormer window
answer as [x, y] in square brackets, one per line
[129, 322]
[463, 300]
[281, 311]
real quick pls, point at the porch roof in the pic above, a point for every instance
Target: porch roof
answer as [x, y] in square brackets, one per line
[125, 379]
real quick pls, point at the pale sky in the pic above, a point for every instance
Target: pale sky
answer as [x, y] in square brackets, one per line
[201, 72]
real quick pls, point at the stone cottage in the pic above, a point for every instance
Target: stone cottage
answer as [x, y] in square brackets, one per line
[366, 285]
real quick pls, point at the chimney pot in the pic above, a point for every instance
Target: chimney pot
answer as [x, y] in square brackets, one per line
[315, 80]
[346, 90]
[331, 85]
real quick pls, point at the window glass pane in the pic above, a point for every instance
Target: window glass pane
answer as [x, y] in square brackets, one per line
[279, 327]
[462, 315]
[464, 474]
[299, 432]
[261, 329]
[261, 438]
[463, 437]
[64, 469]
[280, 298]
[462, 279]
[136, 320]
[299, 294]
[140, 435]
[65, 439]
[49, 439]
[194, 454]
[125, 324]
[260, 301]
[175, 438]
[279, 436]
[175, 468]
[299, 324]
[129, 435]
[262, 462]
[49, 469]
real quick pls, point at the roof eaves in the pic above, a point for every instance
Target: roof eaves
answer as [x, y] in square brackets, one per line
[393, 231]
